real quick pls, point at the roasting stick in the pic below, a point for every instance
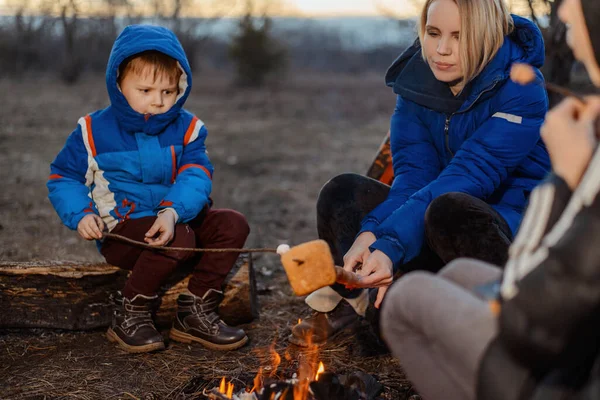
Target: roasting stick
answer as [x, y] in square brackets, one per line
[524, 74]
[308, 266]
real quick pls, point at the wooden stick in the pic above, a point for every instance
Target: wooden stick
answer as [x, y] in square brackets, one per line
[197, 250]
[524, 74]
[564, 91]
[350, 279]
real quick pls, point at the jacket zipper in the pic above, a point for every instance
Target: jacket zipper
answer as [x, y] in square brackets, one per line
[447, 135]
[447, 123]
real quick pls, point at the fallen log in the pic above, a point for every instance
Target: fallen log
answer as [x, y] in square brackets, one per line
[75, 296]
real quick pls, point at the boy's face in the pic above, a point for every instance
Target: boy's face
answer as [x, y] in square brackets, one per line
[147, 95]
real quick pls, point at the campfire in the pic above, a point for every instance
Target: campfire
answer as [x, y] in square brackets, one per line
[325, 386]
[311, 382]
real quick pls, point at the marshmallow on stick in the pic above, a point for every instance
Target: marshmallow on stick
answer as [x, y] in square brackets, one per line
[524, 74]
[310, 266]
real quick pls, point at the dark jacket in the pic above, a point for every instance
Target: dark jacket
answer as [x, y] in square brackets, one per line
[549, 326]
[485, 143]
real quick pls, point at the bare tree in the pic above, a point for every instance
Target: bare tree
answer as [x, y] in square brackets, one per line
[21, 40]
[55, 34]
[68, 15]
[192, 32]
[389, 11]
[537, 10]
[113, 9]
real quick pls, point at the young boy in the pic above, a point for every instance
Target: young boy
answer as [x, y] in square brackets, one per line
[139, 168]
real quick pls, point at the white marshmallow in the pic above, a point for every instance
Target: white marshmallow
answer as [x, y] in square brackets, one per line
[282, 249]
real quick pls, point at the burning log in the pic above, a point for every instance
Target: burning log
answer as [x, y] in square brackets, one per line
[357, 385]
[214, 394]
[310, 383]
[327, 386]
[75, 296]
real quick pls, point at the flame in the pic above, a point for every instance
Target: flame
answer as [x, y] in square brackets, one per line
[301, 390]
[275, 359]
[258, 381]
[299, 321]
[310, 368]
[320, 370]
[226, 388]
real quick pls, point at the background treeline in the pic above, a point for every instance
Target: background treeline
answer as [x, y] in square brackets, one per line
[68, 38]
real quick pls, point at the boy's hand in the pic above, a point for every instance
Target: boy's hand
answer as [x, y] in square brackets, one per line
[359, 252]
[164, 226]
[569, 133]
[90, 227]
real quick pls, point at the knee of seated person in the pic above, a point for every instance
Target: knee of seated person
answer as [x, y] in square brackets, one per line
[400, 296]
[443, 207]
[234, 224]
[185, 238]
[336, 191]
[405, 289]
[453, 267]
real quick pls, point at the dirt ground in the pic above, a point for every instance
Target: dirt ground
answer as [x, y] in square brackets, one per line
[272, 149]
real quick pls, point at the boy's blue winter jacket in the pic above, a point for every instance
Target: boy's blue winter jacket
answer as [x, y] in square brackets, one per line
[121, 164]
[486, 144]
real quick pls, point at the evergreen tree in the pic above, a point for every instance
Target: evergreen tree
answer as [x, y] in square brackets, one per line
[256, 54]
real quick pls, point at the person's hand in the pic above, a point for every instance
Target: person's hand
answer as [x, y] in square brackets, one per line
[90, 227]
[380, 295]
[569, 132]
[164, 227]
[377, 272]
[359, 252]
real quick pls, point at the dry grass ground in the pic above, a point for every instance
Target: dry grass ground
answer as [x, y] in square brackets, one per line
[272, 149]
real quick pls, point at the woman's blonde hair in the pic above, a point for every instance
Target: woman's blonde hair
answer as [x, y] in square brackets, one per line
[483, 25]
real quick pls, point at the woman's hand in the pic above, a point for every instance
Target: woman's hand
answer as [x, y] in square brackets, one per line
[359, 252]
[376, 269]
[164, 226]
[377, 272]
[90, 227]
[569, 132]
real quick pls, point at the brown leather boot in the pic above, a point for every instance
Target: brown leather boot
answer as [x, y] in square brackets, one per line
[197, 321]
[132, 327]
[321, 327]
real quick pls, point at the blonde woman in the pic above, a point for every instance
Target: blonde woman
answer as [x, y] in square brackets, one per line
[544, 344]
[466, 153]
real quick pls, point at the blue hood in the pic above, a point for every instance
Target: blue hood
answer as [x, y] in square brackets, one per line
[133, 40]
[411, 77]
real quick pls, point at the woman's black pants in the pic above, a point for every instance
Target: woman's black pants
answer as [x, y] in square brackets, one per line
[456, 225]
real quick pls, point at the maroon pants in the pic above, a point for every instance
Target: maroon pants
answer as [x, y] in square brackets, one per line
[212, 228]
